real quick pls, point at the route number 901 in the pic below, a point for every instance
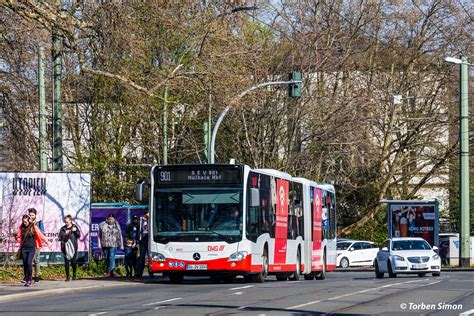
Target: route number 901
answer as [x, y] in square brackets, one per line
[165, 176]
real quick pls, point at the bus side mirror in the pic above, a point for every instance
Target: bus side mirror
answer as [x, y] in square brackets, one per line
[254, 197]
[139, 188]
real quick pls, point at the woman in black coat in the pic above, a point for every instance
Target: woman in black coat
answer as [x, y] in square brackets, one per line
[68, 235]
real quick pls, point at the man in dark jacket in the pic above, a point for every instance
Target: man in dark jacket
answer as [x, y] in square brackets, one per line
[143, 245]
[132, 230]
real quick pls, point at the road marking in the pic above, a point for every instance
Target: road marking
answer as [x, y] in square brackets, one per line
[101, 313]
[241, 288]
[238, 293]
[354, 293]
[165, 301]
[467, 313]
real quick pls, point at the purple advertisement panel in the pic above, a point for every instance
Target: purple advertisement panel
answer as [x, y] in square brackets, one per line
[53, 195]
[414, 220]
[98, 215]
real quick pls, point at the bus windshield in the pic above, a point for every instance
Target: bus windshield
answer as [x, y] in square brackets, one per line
[197, 214]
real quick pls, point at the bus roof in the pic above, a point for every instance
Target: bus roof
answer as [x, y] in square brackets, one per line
[273, 172]
[325, 186]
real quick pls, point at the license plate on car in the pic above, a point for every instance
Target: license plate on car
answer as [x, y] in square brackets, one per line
[418, 266]
[196, 267]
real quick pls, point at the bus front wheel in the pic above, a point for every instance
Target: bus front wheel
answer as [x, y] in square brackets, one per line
[260, 277]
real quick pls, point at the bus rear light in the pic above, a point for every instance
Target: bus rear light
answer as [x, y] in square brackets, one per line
[156, 256]
[238, 256]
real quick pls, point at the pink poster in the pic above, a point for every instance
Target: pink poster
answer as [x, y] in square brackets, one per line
[53, 195]
[317, 228]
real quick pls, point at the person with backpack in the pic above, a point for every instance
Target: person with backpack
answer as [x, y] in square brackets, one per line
[110, 238]
[39, 223]
[68, 235]
[30, 238]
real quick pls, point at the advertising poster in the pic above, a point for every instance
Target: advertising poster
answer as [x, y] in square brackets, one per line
[123, 214]
[281, 229]
[414, 220]
[53, 195]
[317, 228]
[98, 215]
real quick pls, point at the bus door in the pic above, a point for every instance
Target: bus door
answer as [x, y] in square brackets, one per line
[281, 229]
[317, 231]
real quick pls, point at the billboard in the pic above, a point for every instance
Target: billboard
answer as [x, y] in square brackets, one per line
[123, 213]
[414, 219]
[54, 195]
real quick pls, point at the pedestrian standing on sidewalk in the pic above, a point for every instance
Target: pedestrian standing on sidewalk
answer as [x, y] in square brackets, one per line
[39, 223]
[68, 235]
[29, 236]
[143, 245]
[110, 238]
[130, 253]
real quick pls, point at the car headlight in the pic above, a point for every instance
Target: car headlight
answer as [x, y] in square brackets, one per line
[398, 258]
[238, 256]
[435, 257]
[156, 256]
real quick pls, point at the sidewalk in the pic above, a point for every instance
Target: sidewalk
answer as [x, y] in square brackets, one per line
[13, 292]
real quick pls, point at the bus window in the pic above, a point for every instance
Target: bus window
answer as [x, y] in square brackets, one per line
[295, 211]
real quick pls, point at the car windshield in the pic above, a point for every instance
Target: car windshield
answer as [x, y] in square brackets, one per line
[410, 245]
[343, 245]
[197, 214]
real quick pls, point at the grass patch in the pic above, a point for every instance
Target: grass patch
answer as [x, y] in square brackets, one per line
[13, 273]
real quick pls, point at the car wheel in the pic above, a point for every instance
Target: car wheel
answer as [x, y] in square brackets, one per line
[421, 274]
[436, 274]
[391, 274]
[378, 274]
[344, 263]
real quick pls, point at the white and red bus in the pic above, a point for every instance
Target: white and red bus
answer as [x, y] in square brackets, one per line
[227, 220]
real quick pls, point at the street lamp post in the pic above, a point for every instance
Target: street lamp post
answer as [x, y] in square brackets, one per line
[227, 108]
[464, 235]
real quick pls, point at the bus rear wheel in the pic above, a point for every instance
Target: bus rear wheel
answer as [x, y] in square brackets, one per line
[295, 276]
[309, 276]
[322, 275]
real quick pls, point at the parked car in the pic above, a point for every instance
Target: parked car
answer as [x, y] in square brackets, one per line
[352, 253]
[407, 255]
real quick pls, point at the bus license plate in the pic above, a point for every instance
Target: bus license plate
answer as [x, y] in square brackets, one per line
[196, 267]
[418, 266]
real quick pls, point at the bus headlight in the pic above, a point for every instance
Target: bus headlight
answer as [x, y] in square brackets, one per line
[238, 256]
[156, 256]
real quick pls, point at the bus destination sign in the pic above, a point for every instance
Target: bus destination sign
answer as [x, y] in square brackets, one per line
[198, 175]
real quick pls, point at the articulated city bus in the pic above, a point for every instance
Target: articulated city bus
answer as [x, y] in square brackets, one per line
[227, 220]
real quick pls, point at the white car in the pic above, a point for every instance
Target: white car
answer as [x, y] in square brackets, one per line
[407, 255]
[352, 253]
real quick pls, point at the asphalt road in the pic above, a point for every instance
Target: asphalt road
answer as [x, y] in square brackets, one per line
[342, 292]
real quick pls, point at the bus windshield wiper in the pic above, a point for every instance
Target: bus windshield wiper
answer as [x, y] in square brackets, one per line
[225, 237]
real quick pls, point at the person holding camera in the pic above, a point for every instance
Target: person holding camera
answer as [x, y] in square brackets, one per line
[68, 235]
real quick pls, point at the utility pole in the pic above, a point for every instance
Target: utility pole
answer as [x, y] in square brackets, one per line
[240, 96]
[43, 157]
[209, 130]
[464, 236]
[57, 112]
[165, 127]
[464, 205]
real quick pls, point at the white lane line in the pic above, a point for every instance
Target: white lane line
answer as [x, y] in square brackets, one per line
[354, 293]
[101, 313]
[238, 293]
[467, 313]
[241, 288]
[165, 301]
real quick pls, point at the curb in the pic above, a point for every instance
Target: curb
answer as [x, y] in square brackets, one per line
[27, 295]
